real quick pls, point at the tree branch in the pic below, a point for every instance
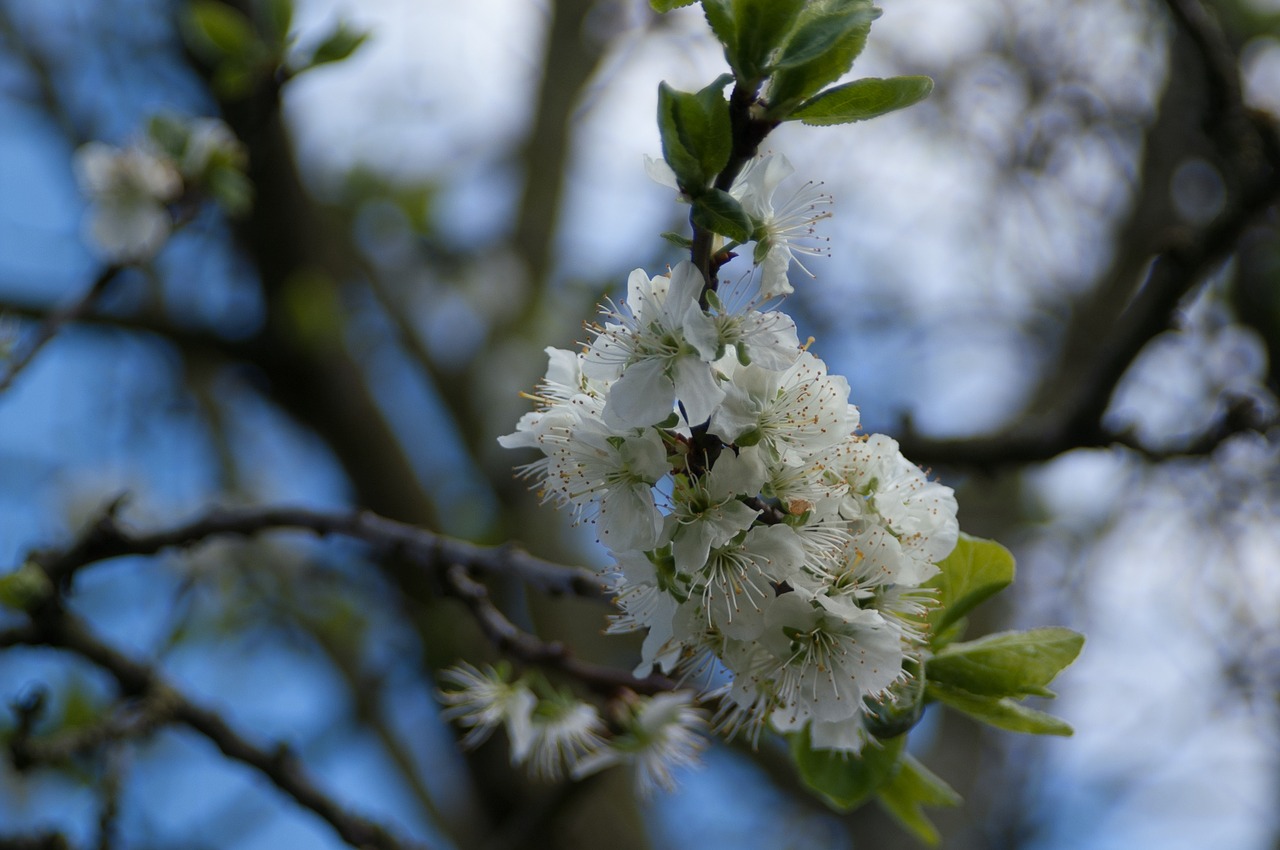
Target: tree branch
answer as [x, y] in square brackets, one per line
[106, 538]
[1112, 326]
[55, 627]
[55, 321]
[508, 638]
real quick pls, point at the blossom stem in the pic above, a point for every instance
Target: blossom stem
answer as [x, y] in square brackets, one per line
[748, 133]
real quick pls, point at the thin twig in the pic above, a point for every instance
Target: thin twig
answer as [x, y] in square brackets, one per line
[507, 637]
[55, 321]
[56, 627]
[106, 538]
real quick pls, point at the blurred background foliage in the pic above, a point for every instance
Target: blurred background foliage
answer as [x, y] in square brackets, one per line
[1057, 282]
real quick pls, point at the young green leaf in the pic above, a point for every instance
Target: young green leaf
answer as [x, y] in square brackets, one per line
[1009, 664]
[219, 32]
[663, 6]
[862, 99]
[750, 31]
[827, 38]
[277, 18]
[696, 137]
[721, 213]
[339, 44]
[974, 571]
[843, 781]
[908, 791]
[1001, 712]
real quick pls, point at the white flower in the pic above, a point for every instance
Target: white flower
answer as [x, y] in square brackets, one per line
[780, 231]
[794, 413]
[648, 595]
[661, 734]
[482, 700]
[564, 731]
[827, 662]
[920, 513]
[737, 584]
[707, 512]
[208, 139]
[657, 351]
[128, 190]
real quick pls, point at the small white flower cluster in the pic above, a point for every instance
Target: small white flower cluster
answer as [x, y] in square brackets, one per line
[554, 734]
[773, 554]
[132, 189]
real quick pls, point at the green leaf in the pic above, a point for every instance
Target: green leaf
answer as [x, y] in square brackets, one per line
[974, 571]
[750, 31]
[1001, 712]
[339, 44]
[1012, 664]
[696, 137]
[720, 212]
[862, 99]
[217, 31]
[677, 239]
[721, 18]
[843, 781]
[761, 27]
[663, 6]
[909, 790]
[826, 40]
[277, 18]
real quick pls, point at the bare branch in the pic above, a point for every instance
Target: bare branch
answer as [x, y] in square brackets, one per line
[52, 626]
[526, 647]
[106, 538]
[55, 321]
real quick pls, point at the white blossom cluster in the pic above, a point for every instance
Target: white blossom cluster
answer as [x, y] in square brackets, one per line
[554, 734]
[131, 189]
[773, 554]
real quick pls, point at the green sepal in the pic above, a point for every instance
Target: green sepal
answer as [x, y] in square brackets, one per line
[826, 40]
[908, 791]
[169, 133]
[663, 6]
[845, 781]
[25, 588]
[974, 571]
[1001, 712]
[861, 99]
[677, 239]
[231, 189]
[338, 45]
[901, 709]
[720, 212]
[696, 137]
[1008, 664]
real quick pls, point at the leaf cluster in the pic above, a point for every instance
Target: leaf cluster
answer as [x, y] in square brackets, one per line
[247, 50]
[783, 55]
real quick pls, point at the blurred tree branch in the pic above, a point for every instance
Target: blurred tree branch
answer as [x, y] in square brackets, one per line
[56, 320]
[1159, 261]
[51, 625]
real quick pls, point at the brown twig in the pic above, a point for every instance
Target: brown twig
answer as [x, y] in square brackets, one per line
[53, 626]
[55, 321]
[106, 538]
[507, 637]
